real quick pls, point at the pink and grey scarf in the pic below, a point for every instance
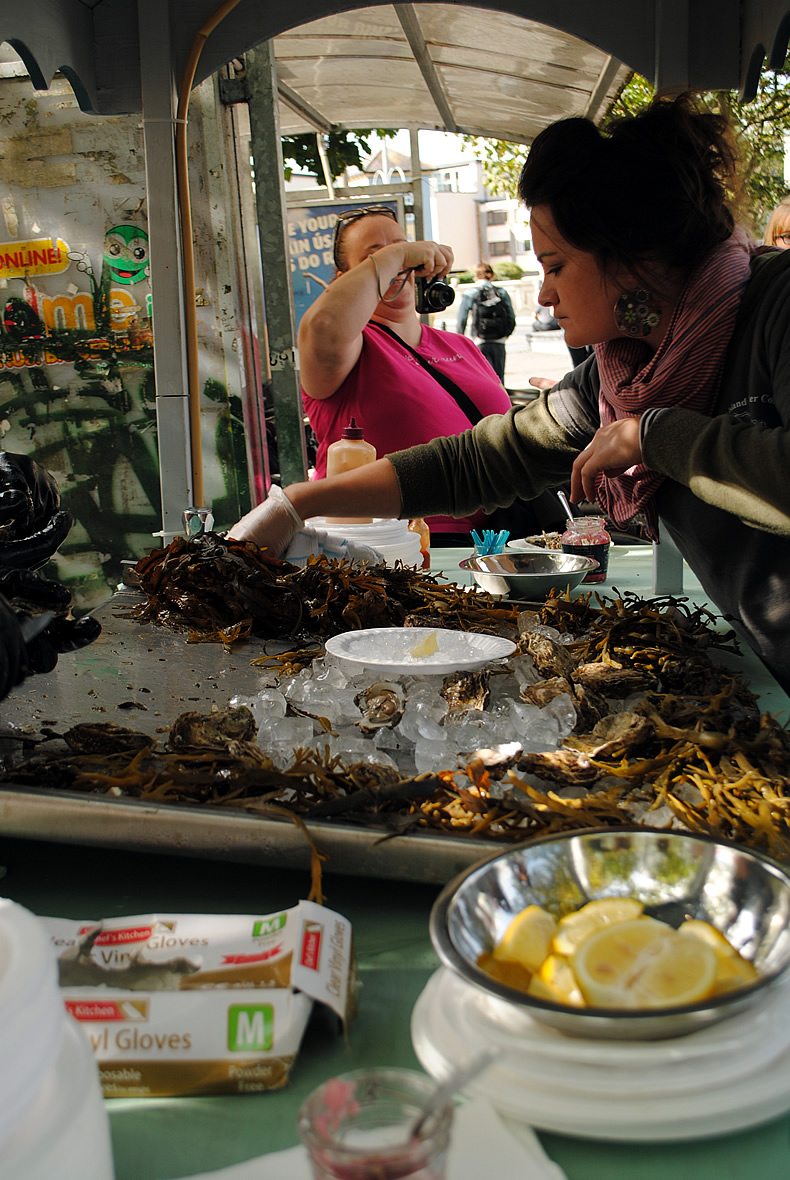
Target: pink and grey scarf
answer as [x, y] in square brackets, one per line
[685, 370]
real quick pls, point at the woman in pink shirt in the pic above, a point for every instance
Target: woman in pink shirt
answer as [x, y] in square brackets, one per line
[357, 346]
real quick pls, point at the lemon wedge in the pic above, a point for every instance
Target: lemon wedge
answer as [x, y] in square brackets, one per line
[607, 961]
[556, 974]
[609, 954]
[732, 970]
[426, 646]
[573, 928]
[527, 939]
[511, 974]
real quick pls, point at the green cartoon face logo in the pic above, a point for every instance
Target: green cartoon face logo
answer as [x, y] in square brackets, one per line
[126, 254]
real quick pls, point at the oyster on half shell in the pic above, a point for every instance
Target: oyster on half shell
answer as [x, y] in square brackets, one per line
[466, 690]
[381, 704]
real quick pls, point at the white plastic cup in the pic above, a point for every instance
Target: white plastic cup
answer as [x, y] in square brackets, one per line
[52, 1117]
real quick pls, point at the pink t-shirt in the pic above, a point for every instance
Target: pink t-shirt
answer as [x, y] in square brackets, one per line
[398, 404]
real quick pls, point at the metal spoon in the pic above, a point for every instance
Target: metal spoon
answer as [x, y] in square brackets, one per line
[563, 499]
[450, 1087]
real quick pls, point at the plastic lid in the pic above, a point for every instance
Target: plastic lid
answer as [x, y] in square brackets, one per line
[352, 430]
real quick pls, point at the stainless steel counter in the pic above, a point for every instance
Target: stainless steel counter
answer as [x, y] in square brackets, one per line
[144, 677]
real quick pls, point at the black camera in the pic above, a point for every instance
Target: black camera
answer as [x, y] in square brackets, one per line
[432, 295]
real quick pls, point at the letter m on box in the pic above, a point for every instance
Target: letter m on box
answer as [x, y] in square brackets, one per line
[266, 926]
[250, 1028]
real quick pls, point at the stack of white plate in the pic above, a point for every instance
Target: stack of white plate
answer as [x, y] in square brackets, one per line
[391, 538]
[724, 1078]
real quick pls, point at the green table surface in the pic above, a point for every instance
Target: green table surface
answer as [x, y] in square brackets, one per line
[163, 1139]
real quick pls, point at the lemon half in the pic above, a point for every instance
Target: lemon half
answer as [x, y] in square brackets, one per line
[643, 964]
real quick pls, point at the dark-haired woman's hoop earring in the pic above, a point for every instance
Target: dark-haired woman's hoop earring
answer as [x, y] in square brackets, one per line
[637, 312]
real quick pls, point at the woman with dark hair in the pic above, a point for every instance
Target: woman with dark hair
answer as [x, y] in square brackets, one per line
[681, 413]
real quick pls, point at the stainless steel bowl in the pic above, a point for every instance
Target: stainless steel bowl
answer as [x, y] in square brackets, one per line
[675, 874]
[529, 576]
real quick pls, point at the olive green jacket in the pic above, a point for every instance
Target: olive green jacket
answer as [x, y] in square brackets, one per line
[726, 499]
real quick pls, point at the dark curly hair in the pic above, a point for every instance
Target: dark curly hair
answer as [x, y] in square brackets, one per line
[656, 187]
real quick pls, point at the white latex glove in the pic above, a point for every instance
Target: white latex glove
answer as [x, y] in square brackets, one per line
[272, 525]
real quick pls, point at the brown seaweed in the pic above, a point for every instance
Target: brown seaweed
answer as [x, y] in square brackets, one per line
[222, 590]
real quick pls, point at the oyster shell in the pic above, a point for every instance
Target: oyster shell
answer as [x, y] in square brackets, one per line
[615, 736]
[590, 706]
[381, 705]
[105, 737]
[213, 731]
[466, 690]
[497, 759]
[550, 658]
[613, 681]
[545, 690]
[568, 767]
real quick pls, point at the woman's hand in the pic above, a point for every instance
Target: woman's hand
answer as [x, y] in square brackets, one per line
[272, 525]
[613, 449]
[427, 259]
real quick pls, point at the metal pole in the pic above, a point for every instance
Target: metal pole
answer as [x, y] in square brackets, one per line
[266, 152]
[324, 158]
[170, 370]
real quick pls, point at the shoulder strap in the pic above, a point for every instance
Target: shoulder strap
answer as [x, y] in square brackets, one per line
[447, 383]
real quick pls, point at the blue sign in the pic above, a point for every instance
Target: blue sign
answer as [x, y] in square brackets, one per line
[311, 232]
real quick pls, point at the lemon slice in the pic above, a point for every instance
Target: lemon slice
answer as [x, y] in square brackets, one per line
[733, 973]
[511, 974]
[546, 991]
[732, 970]
[714, 938]
[527, 939]
[575, 927]
[608, 960]
[556, 974]
[681, 971]
[425, 647]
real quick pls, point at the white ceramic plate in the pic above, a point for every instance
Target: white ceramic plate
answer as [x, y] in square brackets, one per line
[673, 1101]
[391, 650]
[527, 547]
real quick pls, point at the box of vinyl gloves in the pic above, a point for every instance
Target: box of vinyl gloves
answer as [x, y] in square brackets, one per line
[187, 1004]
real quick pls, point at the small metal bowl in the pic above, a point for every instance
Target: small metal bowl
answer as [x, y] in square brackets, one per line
[529, 576]
[676, 875]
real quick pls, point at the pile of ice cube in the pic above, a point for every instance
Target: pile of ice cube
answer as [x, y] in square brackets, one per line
[428, 736]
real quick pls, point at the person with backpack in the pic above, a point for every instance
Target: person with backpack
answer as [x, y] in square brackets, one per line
[492, 317]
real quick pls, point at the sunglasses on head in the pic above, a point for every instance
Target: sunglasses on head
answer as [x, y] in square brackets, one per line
[349, 215]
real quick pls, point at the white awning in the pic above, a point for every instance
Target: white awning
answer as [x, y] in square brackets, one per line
[439, 66]
[500, 69]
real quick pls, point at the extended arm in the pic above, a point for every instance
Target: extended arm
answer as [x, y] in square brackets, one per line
[506, 455]
[517, 454]
[740, 467]
[273, 524]
[330, 333]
